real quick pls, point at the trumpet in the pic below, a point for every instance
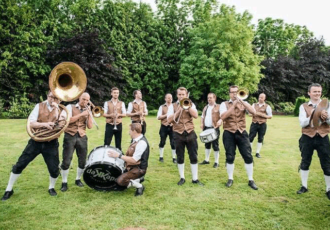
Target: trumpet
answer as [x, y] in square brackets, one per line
[115, 120]
[242, 93]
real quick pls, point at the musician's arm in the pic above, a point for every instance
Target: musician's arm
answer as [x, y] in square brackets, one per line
[34, 117]
[145, 113]
[269, 112]
[159, 114]
[193, 111]
[248, 107]
[129, 111]
[303, 119]
[123, 111]
[105, 114]
[224, 112]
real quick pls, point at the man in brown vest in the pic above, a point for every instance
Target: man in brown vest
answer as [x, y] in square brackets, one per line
[75, 139]
[136, 160]
[232, 113]
[137, 110]
[184, 135]
[114, 111]
[44, 115]
[258, 125]
[165, 128]
[314, 138]
[211, 119]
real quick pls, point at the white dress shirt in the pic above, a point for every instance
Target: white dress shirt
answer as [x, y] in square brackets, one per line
[303, 119]
[269, 111]
[208, 119]
[170, 110]
[223, 107]
[35, 112]
[105, 107]
[160, 110]
[130, 107]
[139, 148]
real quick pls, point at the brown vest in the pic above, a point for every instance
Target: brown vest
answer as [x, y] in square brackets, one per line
[45, 115]
[111, 109]
[130, 151]
[137, 108]
[77, 126]
[164, 111]
[236, 120]
[323, 129]
[215, 114]
[185, 123]
[262, 109]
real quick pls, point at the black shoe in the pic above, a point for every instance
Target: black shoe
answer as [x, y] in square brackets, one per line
[197, 182]
[161, 159]
[302, 190]
[216, 165]
[174, 161]
[52, 192]
[204, 162]
[64, 187]
[328, 194]
[258, 155]
[181, 181]
[7, 195]
[79, 183]
[229, 183]
[252, 185]
[139, 191]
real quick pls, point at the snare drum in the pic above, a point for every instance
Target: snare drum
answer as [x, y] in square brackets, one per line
[208, 135]
[101, 170]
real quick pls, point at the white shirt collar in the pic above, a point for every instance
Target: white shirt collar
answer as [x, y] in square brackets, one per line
[311, 103]
[138, 138]
[261, 104]
[136, 101]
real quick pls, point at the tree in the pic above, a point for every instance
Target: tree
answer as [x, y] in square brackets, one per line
[220, 54]
[273, 37]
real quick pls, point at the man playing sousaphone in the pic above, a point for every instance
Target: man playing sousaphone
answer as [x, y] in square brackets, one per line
[136, 160]
[232, 113]
[314, 120]
[75, 139]
[44, 116]
[114, 111]
[211, 120]
[137, 110]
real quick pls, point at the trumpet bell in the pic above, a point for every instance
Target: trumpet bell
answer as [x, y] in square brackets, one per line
[242, 93]
[67, 81]
[98, 111]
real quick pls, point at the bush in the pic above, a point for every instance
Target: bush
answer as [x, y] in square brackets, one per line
[286, 107]
[20, 107]
[299, 101]
[252, 100]
[270, 104]
[152, 112]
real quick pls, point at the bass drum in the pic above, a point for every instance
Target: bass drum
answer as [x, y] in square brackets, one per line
[102, 171]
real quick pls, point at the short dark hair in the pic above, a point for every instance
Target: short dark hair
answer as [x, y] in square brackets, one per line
[136, 127]
[232, 86]
[215, 96]
[135, 92]
[313, 85]
[182, 88]
[114, 88]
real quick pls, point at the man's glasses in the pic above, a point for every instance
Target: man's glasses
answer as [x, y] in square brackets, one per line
[52, 97]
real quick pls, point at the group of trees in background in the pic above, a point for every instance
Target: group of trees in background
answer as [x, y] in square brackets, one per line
[199, 44]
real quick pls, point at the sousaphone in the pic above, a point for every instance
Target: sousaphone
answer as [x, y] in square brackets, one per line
[67, 81]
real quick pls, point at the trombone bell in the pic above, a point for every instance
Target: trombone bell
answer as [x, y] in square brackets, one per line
[67, 81]
[97, 111]
[242, 93]
[185, 103]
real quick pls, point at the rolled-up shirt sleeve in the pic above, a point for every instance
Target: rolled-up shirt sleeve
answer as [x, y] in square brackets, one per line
[303, 119]
[159, 113]
[34, 114]
[139, 150]
[170, 111]
[123, 109]
[223, 108]
[130, 107]
[145, 108]
[105, 107]
[269, 111]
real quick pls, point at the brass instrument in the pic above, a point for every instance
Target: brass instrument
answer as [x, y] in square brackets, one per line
[185, 104]
[67, 81]
[242, 93]
[115, 120]
[94, 111]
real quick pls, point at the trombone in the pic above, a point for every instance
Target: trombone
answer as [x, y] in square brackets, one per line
[185, 104]
[94, 111]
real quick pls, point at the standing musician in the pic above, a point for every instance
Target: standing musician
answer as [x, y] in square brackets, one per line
[232, 113]
[114, 111]
[136, 160]
[184, 134]
[165, 128]
[44, 115]
[75, 139]
[258, 125]
[314, 138]
[137, 110]
[211, 119]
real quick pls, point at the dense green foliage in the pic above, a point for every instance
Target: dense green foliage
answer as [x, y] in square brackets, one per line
[299, 101]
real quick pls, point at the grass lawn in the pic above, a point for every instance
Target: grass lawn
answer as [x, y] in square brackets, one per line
[165, 205]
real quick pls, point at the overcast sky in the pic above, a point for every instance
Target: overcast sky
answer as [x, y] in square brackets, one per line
[314, 14]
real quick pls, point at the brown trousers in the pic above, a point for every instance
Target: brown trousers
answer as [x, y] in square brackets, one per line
[132, 174]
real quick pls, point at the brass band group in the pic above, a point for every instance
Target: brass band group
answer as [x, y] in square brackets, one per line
[176, 122]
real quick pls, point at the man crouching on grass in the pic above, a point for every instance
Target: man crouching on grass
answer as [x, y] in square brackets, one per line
[136, 160]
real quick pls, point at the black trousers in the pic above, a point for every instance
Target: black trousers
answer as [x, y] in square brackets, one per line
[71, 143]
[109, 132]
[241, 140]
[307, 145]
[165, 131]
[144, 126]
[257, 128]
[188, 140]
[49, 151]
[215, 143]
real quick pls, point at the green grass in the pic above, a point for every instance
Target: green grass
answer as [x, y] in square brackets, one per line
[165, 205]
